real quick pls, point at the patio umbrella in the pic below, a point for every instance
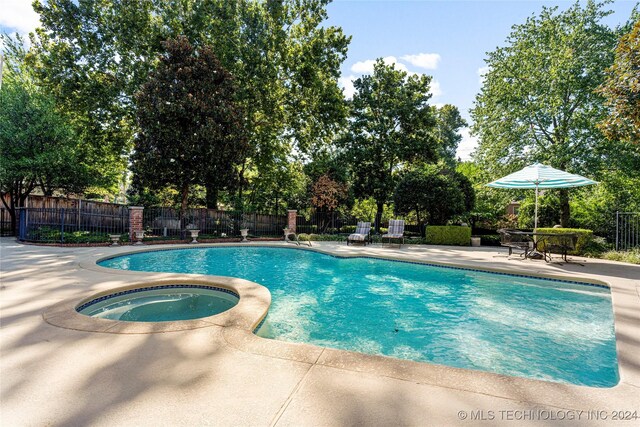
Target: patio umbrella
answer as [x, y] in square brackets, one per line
[540, 176]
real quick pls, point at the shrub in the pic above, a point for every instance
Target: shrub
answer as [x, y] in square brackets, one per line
[50, 234]
[632, 256]
[448, 235]
[434, 194]
[490, 240]
[348, 229]
[585, 237]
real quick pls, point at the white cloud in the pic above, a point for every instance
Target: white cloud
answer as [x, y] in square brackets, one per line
[346, 83]
[467, 145]
[434, 88]
[366, 67]
[18, 16]
[482, 71]
[428, 61]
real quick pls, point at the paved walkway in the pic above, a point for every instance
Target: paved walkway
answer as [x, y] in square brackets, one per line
[223, 375]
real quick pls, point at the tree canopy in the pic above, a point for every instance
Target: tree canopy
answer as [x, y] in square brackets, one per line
[190, 129]
[391, 125]
[622, 90]
[38, 145]
[94, 56]
[539, 100]
[436, 194]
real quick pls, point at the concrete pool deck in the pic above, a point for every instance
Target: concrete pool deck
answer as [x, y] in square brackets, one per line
[218, 373]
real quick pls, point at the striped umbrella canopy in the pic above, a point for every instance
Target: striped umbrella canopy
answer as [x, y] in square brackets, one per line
[540, 176]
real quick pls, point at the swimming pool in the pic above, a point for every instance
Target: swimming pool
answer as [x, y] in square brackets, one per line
[535, 328]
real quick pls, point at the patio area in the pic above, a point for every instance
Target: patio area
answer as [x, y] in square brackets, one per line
[218, 374]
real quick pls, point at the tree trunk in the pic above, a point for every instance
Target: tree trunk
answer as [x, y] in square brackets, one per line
[212, 196]
[183, 209]
[564, 207]
[378, 220]
[239, 204]
[420, 224]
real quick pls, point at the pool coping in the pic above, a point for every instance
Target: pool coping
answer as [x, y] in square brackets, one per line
[237, 327]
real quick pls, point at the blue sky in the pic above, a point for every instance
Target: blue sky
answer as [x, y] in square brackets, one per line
[445, 39]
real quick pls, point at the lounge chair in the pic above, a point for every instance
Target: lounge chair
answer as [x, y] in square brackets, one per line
[362, 234]
[395, 231]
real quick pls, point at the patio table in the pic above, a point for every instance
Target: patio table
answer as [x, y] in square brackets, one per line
[539, 240]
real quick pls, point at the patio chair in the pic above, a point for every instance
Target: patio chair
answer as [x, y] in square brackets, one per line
[362, 234]
[562, 243]
[514, 241]
[395, 231]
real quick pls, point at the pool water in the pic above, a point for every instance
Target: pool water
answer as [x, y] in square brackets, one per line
[161, 304]
[535, 328]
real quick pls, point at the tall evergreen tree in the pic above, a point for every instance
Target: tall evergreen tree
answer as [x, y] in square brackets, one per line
[190, 129]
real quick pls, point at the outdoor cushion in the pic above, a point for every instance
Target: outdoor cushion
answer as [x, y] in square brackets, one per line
[359, 237]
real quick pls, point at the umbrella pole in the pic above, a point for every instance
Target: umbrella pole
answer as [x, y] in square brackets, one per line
[535, 221]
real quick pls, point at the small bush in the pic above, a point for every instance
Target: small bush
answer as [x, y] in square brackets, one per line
[632, 257]
[348, 229]
[585, 237]
[50, 234]
[328, 238]
[448, 235]
[490, 240]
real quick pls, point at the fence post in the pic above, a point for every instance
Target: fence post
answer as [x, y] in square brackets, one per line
[62, 225]
[617, 222]
[22, 224]
[292, 215]
[135, 220]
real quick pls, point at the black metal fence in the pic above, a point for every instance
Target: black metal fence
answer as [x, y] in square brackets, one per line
[336, 223]
[627, 230]
[325, 223]
[71, 225]
[213, 223]
[5, 223]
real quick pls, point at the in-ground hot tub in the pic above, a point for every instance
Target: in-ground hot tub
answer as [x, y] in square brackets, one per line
[162, 303]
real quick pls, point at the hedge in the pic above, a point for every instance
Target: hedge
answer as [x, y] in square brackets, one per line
[584, 237]
[448, 235]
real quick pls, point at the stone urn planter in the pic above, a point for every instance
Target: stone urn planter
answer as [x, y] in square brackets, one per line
[115, 239]
[139, 234]
[244, 232]
[286, 234]
[475, 241]
[194, 235]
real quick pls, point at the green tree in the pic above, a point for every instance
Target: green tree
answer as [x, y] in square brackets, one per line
[391, 125]
[538, 101]
[446, 132]
[435, 194]
[38, 145]
[95, 55]
[489, 207]
[622, 90]
[190, 128]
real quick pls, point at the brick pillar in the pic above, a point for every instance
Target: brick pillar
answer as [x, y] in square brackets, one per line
[135, 220]
[292, 215]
